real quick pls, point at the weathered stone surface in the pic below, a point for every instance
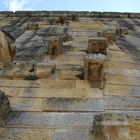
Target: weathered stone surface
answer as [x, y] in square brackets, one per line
[55, 46]
[47, 134]
[66, 37]
[48, 84]
[71, 75]
[31, 92]
[122, 80]
[73, 104]
[109, 34]
[111, 127]
[122, 90]
[135, 129]
[32, 26]
[26, 134]
[131, 114]
[74, 17]
[122, 31]
[62, 20]
[7, 48]
[73, 134]
[97, 45]
[67, 13]
[122, 103]
[50, 120]
[27, 71]
[111, 119]
[55, 104]
[123, 71]
[93, 68]
[4, 108]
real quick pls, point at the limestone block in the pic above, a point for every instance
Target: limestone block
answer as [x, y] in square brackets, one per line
[94, 70]
[7, 48]
[74, 17]
[93, 67]
[32, 26]
[4, 107]
[62, 20]
[109, 34]
[122, 31]
[28, 71]
[112, 127]
[70, 75]
[66, 37]
[111, 119]
[55, 46]
[135, 129]
[122, 103]
[72, 104]
[97, 45]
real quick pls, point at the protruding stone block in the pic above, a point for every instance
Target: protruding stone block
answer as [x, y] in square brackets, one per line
[4, 107]
[62, 20]
[123, 31]
[109, 34]
[112, 127]
[74, 17]
[97, 45]
[55, 45]
[111, 119]
[7, 48]
[94, 68]
[66, 37]
[28, 71]
[32, 26]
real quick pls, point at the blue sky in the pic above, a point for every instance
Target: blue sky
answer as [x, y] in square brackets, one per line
[71, 5]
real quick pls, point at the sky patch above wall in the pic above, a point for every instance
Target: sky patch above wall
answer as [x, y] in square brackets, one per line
[71, 5]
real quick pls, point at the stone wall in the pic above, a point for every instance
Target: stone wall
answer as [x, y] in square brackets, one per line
[4, 107]
[69, 13]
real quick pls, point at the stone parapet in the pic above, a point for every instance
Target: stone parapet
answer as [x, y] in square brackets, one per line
[92, 14]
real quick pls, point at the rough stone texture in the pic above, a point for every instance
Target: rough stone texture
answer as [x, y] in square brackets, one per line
[93, 68]
[66, 37]
[73, 104]
[62, 20]
[7, 48]
[55, 46]
[135, 129]
[32, 26]
[4, 108]
[97, 45]
[122, 103]
[27, 71]
[123, 31]
[112, 127]
[109, 34]
[74, 17]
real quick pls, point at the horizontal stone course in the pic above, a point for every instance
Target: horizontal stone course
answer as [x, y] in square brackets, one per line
[57, 104]
[45, 134]
[69, 13]
[122, 103]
